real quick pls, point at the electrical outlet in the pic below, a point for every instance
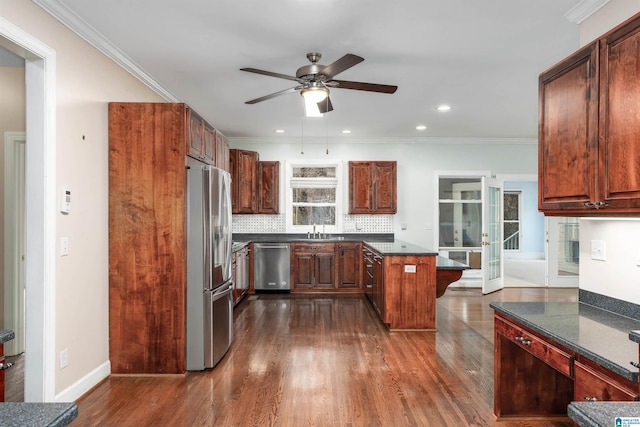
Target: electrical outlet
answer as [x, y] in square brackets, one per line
[64, 358]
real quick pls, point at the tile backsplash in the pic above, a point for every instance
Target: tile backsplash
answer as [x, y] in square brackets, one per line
[277, 224]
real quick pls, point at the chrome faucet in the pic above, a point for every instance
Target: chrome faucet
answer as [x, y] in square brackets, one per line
[314, 231]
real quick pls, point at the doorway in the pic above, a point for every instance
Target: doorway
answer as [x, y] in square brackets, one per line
[39, 193]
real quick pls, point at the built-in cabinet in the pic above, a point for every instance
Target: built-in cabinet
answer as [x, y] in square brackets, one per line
[552, 375]
[589, 129]
[312, 266]
[325, 266]
[372, 187]
[349, 265]
[241, 271]
[205, 143]
[255, 187]
[150, 146]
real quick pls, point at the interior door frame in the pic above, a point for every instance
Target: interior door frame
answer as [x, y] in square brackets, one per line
[14, 181]
[40, 224]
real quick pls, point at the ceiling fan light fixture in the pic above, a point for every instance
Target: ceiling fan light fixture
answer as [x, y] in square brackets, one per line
[312, 95]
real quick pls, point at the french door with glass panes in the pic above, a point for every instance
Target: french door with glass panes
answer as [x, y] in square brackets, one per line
[470, 228]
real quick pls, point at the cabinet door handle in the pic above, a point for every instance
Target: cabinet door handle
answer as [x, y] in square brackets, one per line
[590, 399]
[523, 340]
[635, 364]
[589, 204]
[4, 366]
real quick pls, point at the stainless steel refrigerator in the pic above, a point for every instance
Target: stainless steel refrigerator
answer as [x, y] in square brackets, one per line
[209, 285]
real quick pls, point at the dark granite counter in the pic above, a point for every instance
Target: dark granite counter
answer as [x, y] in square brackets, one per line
[400, 248]
[603, 414]
[20, 414]
[597, 334]
[634, 336]
[6, 335]
[443, 263]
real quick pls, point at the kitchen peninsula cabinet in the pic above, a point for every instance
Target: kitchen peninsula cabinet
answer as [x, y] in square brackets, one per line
[372, 187]
[589, 129]
[312, 266]
[403, 285]
[150, 147]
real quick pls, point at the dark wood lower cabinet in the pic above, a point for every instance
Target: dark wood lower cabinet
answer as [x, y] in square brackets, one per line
[325, 266]
[349, 265]
[534, 377]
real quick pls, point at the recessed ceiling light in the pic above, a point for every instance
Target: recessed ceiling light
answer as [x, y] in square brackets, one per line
[421, 127]
[279, 130]
[443, 107]
[346, 131]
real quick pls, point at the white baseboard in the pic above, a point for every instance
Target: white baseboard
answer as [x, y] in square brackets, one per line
[84, 384]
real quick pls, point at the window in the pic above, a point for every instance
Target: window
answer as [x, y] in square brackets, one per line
[313, 196]
[511, 220]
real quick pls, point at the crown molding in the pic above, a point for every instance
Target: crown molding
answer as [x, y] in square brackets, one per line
[583, 10]
[391, 140]
[89, 34]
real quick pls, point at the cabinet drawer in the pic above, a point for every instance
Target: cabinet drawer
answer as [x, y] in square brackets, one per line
[595, 386]
[551, 355]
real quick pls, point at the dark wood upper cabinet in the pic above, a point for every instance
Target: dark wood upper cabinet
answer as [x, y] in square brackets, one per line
[222, 152]
[268, 187]
[589, 128]
[372, 187]
[244, 198]
[255, 187]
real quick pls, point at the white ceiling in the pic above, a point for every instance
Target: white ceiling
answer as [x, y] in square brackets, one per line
[482, 57]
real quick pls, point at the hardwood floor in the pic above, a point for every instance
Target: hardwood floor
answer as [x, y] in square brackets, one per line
[328, 361]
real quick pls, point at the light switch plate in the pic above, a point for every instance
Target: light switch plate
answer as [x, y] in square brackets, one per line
[598, 250]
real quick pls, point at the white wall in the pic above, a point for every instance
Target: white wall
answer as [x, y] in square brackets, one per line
[618, 277]
[86, 82]
[417, 163]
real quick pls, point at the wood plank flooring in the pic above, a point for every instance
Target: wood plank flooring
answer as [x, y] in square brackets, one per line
[303, 360]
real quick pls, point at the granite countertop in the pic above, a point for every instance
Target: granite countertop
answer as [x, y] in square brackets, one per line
[603, 414]
[599, 335]
[400, 248]
[6, 335]
[444, 263]
[20, 414]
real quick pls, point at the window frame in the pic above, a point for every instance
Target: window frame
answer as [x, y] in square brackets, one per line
[339, 204]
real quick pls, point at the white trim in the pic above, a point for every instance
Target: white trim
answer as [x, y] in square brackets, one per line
[14, 240]
[583, 10]
[80, 387]
[89, 34]
[390, 140]
[40, 224]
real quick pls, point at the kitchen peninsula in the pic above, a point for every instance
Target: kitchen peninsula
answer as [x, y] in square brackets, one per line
[401, 280]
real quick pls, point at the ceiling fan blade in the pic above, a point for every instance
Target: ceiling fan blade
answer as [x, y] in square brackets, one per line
[325, 105]
[344, 63]
[273, 95]
[369, 87]
[269, 73]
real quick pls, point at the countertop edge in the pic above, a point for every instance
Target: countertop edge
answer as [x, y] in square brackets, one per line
[601, 414]
[57, 414]
[6, 335]
[614, 367]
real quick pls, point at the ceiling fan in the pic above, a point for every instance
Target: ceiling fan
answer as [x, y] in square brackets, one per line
[316, 79]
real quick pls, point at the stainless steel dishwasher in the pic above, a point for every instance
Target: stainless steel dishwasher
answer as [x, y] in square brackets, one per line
[271, 264]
